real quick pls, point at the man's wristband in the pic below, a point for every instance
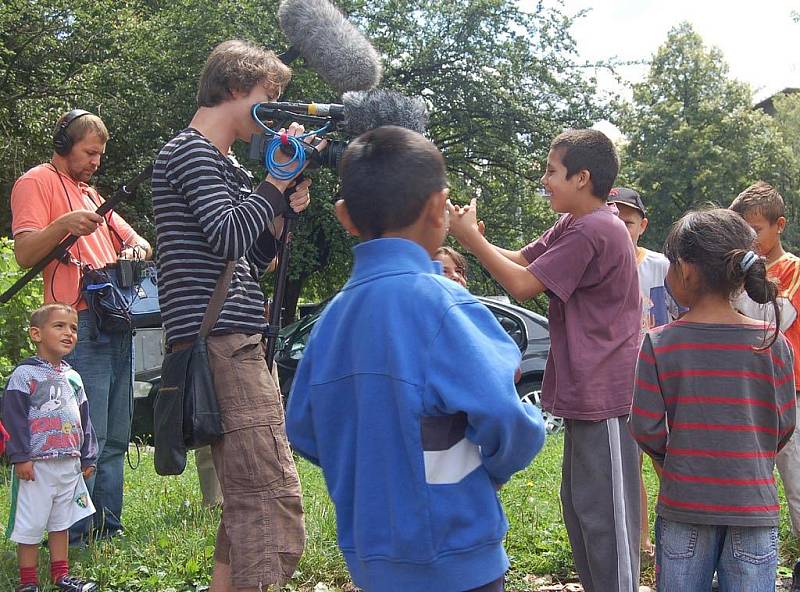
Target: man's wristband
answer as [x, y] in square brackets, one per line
[273, 196]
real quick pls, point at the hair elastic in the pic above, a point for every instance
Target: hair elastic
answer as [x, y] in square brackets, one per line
[747, 261]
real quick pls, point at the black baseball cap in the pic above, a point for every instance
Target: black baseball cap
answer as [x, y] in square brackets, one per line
[627, 197]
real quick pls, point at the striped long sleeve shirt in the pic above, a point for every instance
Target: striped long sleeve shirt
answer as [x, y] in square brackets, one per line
[207, 214]
[714, 412]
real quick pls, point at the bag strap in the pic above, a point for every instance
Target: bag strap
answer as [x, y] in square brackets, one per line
[217, 300]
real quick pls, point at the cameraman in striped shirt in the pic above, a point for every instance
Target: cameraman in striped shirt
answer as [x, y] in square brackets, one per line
[207, 213]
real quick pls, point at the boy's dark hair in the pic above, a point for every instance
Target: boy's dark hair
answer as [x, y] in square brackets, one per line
[41, 315]
[716, 241]
[238, 65]
[760, 198]
[387, 176]
[591, 150]
[458, 259]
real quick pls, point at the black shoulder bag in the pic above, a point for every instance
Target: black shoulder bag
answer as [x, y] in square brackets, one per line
[186, 413]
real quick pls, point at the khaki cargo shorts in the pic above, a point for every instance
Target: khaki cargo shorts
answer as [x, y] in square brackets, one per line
[261, 534]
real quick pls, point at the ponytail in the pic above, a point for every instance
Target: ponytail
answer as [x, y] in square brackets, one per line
[745, 267]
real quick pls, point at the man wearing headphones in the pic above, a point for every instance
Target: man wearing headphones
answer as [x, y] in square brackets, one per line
[48, 203]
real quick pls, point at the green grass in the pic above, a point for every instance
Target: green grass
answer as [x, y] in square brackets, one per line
[169, 540]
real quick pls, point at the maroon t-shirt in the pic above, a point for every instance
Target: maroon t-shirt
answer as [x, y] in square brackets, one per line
[588, 266]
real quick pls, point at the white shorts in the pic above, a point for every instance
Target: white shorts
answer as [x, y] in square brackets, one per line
[54, 501]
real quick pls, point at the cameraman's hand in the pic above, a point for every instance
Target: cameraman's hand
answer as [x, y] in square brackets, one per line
[24, 471]
[80, 222]
[300, 199]
[464, 224]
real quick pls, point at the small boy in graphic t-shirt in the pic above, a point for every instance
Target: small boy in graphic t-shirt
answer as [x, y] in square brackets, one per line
[52, 448]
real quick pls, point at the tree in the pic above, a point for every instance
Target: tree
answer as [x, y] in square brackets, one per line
[500, 83]
[694, 137]
[787, 120]
[14, 342]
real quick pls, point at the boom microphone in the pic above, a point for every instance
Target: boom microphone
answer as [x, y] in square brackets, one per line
[361, 111]
[364, 111]
[330, 44]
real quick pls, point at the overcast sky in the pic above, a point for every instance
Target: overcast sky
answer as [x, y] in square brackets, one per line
[759, 40]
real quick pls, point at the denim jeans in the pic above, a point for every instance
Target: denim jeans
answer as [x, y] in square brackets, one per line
[687, 555]
[106, 368]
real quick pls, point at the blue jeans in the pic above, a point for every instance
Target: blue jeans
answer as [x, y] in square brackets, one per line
[106, 368]
[687, 555]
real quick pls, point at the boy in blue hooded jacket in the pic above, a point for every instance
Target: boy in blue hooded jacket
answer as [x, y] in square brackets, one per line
[405, 395]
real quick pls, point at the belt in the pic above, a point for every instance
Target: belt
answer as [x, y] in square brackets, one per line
[187, 343]
[180, 345]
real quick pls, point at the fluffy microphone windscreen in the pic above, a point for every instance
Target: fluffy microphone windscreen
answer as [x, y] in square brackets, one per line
[366, 110]
[330, 44]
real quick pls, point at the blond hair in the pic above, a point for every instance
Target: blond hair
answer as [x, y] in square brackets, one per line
[41, 315]
[83, 126]
[760, 198]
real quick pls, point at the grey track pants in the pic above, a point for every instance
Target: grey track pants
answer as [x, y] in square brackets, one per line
[788, 462]
[600, 500]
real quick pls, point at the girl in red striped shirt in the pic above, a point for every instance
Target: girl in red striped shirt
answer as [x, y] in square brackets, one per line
[714, 402]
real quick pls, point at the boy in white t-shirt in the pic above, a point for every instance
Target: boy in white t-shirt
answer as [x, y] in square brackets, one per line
[658, 308]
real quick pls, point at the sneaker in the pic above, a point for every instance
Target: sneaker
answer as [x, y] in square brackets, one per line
[107, 535]
[795, 578]
[73, 584]
[28, 588]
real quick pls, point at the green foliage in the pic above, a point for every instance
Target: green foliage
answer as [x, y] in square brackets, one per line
[15, 314]
[500, 82]
[169, 540]
[787, 121]
[694, 137]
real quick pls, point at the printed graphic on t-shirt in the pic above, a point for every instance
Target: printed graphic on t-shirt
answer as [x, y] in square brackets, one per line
[52, 417]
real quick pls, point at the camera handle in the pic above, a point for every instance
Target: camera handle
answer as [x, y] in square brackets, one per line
[279, 291]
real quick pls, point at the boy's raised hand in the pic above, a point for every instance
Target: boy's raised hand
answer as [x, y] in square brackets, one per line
[24, 470]
[464, 224]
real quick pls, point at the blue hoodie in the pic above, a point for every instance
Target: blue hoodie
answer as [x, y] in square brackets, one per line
[405, 397]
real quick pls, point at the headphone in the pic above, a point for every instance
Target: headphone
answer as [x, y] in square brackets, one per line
[62, 142]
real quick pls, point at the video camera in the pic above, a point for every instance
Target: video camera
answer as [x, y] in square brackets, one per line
[360, 112]
[327, 123]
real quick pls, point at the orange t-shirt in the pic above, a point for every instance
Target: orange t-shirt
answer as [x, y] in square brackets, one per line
[786, 271]
[37, 199]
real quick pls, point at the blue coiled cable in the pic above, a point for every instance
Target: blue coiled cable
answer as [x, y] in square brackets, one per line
[289, 169]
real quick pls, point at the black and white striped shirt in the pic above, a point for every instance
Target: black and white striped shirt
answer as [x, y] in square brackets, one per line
[206, 214]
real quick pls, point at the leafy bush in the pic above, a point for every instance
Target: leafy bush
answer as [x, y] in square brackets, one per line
[14, 342]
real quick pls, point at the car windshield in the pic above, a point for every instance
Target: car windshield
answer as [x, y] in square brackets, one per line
[294, 337]
[297, 335]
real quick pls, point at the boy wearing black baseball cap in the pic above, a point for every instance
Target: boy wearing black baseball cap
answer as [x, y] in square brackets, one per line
[658, 308]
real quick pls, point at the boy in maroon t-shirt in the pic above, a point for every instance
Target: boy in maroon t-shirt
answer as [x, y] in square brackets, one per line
[587, 267]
